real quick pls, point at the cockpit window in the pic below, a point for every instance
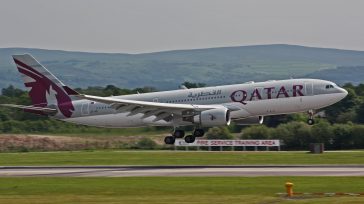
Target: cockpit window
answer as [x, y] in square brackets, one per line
[329, 86]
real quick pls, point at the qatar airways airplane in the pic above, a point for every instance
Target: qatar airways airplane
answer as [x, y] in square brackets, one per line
[244, 104]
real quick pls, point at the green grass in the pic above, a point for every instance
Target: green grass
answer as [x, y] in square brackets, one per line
[177, 158]
[175, 190]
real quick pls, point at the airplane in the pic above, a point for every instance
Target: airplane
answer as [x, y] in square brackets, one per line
[245, 104]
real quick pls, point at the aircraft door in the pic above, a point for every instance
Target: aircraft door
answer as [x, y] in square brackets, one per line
[85, 109]
[309, 89]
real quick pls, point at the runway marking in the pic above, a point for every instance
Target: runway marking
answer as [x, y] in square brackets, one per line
[130, 171]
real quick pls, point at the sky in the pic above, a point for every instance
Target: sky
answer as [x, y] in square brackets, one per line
[140, 26]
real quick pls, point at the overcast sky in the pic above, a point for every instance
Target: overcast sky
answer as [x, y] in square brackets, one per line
[135, 26]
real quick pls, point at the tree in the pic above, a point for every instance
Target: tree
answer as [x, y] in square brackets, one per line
[218, 133]
[190, 85]
[146, 143]
[322, 132]
[10, 91]
[343, 136]
[358, 139]
[359, 90]
[112, 90]
[145, 89]
[360, 113]
[295, 135]
[348, 103]
[347, 116]
[256, 132]
[275, 120]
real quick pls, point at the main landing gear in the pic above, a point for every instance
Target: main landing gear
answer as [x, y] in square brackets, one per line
[169, 140]
[310, 120]
[181, 134]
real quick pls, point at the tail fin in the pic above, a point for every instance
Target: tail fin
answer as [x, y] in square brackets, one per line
[45, 90]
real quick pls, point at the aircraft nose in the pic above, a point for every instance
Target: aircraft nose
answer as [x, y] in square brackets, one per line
[343, 92]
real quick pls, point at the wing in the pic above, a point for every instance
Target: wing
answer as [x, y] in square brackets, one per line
[162, 111]
[33, 109]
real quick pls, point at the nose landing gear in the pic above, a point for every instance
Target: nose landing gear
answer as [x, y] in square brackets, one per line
[310, 120]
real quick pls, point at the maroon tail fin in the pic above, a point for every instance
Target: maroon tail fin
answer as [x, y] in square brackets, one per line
[45, 89]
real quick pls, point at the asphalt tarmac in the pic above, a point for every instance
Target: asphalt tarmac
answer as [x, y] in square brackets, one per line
[132, 171]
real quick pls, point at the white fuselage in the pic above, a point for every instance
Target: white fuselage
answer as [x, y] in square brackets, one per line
[244, 100]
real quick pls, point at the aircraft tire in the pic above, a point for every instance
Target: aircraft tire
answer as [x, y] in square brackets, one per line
[179, 134]
[310, 121]
[190, 139]
[169, 140]
[198, 133]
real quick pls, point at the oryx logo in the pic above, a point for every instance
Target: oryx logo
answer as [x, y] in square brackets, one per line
[239, 96]
[212, 117]
[42, 88]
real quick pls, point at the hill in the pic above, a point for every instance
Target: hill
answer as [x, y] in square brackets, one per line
[341, 75]
[166, 70]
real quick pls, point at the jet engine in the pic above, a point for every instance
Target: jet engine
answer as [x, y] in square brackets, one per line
[213, 117]
[257, 120]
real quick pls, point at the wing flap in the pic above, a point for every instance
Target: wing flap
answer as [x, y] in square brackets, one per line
[162, 116]
[120, 104]
[162, 111]
[112, 100]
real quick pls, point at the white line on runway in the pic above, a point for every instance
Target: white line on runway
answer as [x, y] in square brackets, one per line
[182, 171]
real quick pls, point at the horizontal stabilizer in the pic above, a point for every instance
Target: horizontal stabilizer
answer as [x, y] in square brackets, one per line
[33, 109]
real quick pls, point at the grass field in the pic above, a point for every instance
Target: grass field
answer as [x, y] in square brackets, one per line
[177, 158]
[175, 190]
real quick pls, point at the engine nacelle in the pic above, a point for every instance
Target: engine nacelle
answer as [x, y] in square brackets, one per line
[213, 117]
[250, 121]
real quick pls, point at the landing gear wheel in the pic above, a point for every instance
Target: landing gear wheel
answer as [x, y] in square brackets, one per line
[179, 134]
[310, 121]
[190, 139]
[169, 140]
[198, 133]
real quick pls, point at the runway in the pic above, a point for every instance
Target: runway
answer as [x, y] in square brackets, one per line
[175, 171]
